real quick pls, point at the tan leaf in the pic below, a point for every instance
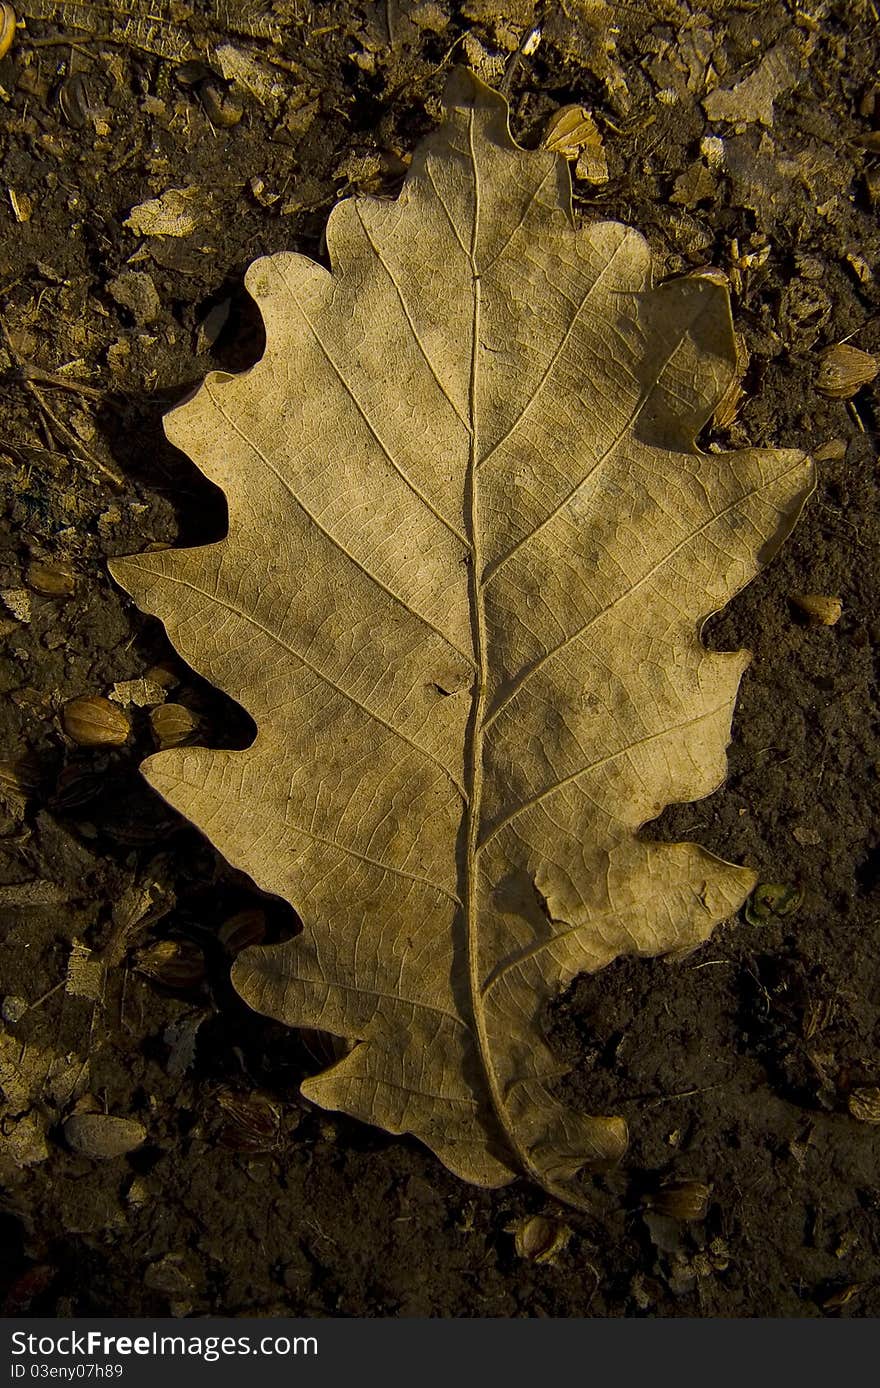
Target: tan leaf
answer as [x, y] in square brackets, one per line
[471, 545]
[178, 212]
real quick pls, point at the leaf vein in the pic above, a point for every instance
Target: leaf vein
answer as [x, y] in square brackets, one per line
[555, 356]
[328, 534]
[594, 766]
[297, 655]
[374, 862]
[524, 677]
[408, 316]
[374, 433]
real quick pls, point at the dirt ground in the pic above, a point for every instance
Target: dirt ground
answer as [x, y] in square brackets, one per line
[745, 136]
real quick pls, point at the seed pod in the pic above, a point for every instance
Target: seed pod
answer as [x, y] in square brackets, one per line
[73, 100]
[540, 1239]
[76, 786]
[819, 610]
[101, 1136]
[51, 578]
[243, 929]
[253, 1121]
[142, 825]
[94, 721]
[843, 370]
[172, 724]
[864, 1104]
[680, 1200]
[172, 963]
[7, 28]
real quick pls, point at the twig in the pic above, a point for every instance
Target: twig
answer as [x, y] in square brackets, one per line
[76, 45]
[39, 1002]
[28, 372]
[105, 468]
[687, 1093]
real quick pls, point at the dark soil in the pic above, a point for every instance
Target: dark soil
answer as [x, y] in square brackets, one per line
[736, 1066]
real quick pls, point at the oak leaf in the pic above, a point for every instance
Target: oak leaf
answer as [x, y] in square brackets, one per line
[471, 546]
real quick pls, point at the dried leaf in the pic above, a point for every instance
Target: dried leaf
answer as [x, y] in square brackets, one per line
[164, 28]
[178, 212]
[251, 75]
[751, 100]
[471, 545]
[85, 973]
[139, 26]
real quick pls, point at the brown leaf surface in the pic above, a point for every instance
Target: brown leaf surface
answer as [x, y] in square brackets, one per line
[471, 546]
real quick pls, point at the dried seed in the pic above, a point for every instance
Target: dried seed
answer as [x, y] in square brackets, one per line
[94, 721]
[869, 103]
[212, 325]
[73, 100]
[223, 108]
[539, 1239]
[253, 1121]
[680, 1200]
[834, 451]
[53, 578]
[7, 28]
[243, 929]
[819, 610]
[101, 1136]
[172, 963]
[843, 370]
[864, 1104]
[172, 724]
[189, 74]
[76, 786]
[139, 827]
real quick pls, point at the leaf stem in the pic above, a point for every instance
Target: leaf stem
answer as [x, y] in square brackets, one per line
[474, 757]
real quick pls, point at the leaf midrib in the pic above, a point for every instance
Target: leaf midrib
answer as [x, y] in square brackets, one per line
[471, 887]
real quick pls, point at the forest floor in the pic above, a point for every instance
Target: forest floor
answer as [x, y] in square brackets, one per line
[740, 135]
